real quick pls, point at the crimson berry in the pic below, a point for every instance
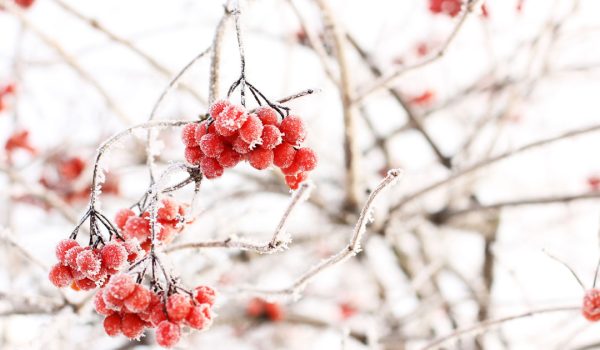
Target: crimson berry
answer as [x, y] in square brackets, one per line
[229, 158]
[193, 155]
[60, 275]
[306, 158]
[231, 119]
[114, 255]
[178, 307]
[271, 137]
[85, 284]
[100, 306]
[274, 311]
[211, 168]
[110, 301]
[137, 227]
[88, 263]
[169, 210]
[188, 134]
[71, 256]
[201, 130]
[293, 129]
[121, 286]
[217, 107]
[100, 275]
[167, 334]
[293, 169]
[139, 300]
[112, 325]
[283, 155]
[255, 307]
[224, 131]
[293, 181]
[591, 305]
[121, 217]
[62, 247]
[241, 146]
[199, 317]
[251, 130]
[211, 145]
[205, 295]
[261, 158]
[267, 115]
[132, 326]
[133, 250]
[157, 314]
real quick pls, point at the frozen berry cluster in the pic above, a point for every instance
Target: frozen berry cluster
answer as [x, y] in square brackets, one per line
[232, 134]
[130, 308]
[448, 7]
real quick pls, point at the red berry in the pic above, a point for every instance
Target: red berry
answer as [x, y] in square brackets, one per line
[212, 145]
[167, 334]
[85, 284]
[293, 129]
[62, 247]
[255, 308]
[101, 275]
[169, 210]
[88, 263]
[112, 325]
[199, 317]
[293, 169]
[229, 158]
[137, 227]
[178, 307]
[100, 306]
[133, 249]
[251, 130]
[283, 155]
[211, 168]
[60, 275]
[114, 255]
[157, 314]
[121, 286]
[71, 256]
[591, 305]
[132, 326]
[139, 300]
[201, 130]
[241, 146]
[224, 130]
[188, 135]
[110, 301]
[205, 295]
[271, 137]
[306, 158]
[232, 118]
[293, 181]
[217, 107]
[274, 311]
[193, 155]
[261, 158]
[449, 7]
[121, 217]
[267, 115]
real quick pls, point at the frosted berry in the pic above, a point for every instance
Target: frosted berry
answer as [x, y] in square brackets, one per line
[112, 325]
[205, 295]
[293, 181]
[167, 334]
[85, 284]
[211, 145]
[88, 263]
[306, 158]
[217, 107]
[232, 118]
[137, 227]
[139, 300]
[114, 255]
[178, 307]
[211, 168]
[110, 301]
[199, 317]
[71, 256]
[293, 129]
[157, 314]
[100, 306]
[62, 247]
[169, 210]
[224, 131]
[293, 169]
[60, 275]
[267, 115]
[251, 130]
[188, 134]
[591, 305]
[229, 158]
[193, 155]
[132, 326]
[241, 146]
[133, 249]
[261, 158]
[121, 217]
[271, 137]
[274, 311]
[283, 155]
[121, 286]
[201, 130]
[101, 274]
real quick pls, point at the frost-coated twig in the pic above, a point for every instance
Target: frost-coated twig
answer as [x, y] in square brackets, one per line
[386, 80]
[486, 325]
[351, 249]
[215, 59]
[273, 245]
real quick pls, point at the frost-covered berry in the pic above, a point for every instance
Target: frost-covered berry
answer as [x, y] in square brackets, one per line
[62, 247]
[229, 158]
[232, 118]
[252, 129]
[241, 146]
[205, 295]
[139, 300]
[193, 155]
[211, 168]
[283, 155]
[71, 256]
[157, 314]
[112, 325]
[199, 317]
[293, 181]
[217, 107]
[121, 217]
[114, 255]
[100, 306]
[293, 129]
[178, 307]
[85, 284]
[168, 211]
[133, 249]
[60, 275]
[137, 227]
[101, 274]
[201, 130]
[167, 334]
[261, 158]
[211, 145]
[591, 305]
[271, 137]
[121, 286]
[188, 134]
[88, 263]
[306, 158]
[111, 302]
[267, 115]
[132, 326]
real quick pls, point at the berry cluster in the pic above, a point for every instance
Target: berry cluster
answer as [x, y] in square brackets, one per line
[232, 134]
[448, 7]
[170, 217]
[129, 308]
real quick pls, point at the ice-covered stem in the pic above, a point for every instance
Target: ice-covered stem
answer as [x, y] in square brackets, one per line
[215, 59]
[273, 245]
[351, 249]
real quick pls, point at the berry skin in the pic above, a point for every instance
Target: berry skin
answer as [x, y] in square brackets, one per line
[211, 145]
[283, 155]
[294, 181]
[217, 107]
[229, 158]
[132, 326]
[261, 158]
[267, 115]
[62, 247]
[157, 314]
[120, 286]
[211, 168]
[193, 155]
[449, 7]
[139, 300]
[241, 146]
[178, 307]
[133, 250]
[167, 334]
[88, 263]
[271, 137]
[224, 131]
[85, 284]
[293, 129]
[169, 210]
[137, 227]
[112, 325]
[232, 118]
[71, 256]
[121, 217]
[591, 305]
[199, 317]
[188, 135]
[293, 169]
[252, 129]
[306, 159]
[110, 301]
[205, 295]
[100, 306]
[60, 275]
[114, 255]
[201, 130]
